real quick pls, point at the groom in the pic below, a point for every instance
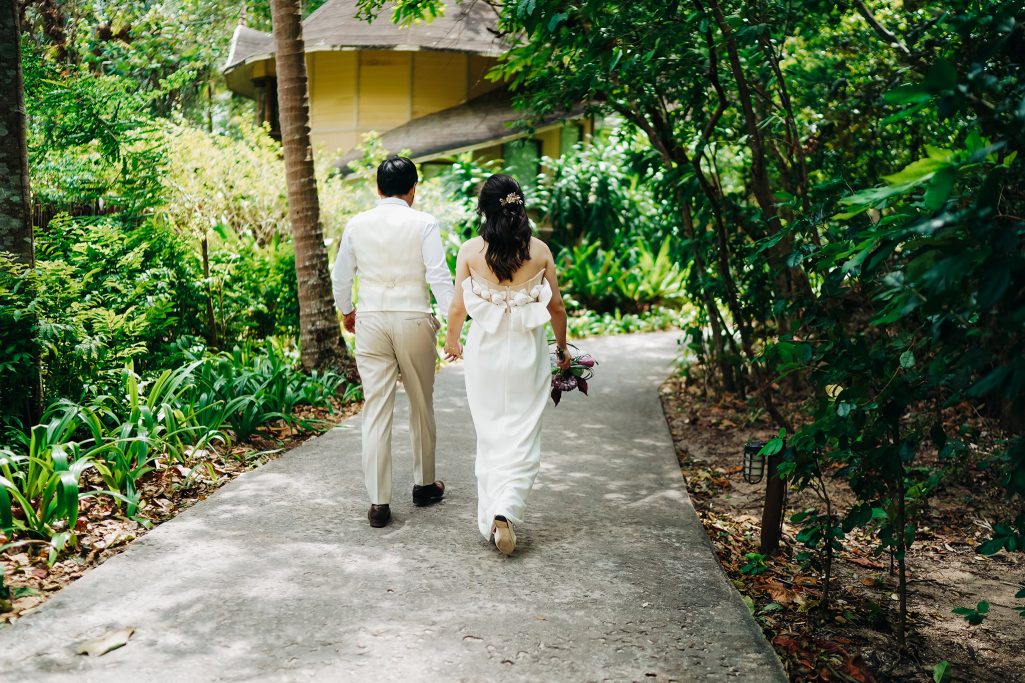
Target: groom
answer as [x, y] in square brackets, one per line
[395, 252]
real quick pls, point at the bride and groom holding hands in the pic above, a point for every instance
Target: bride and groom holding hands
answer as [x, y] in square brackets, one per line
[506, 282]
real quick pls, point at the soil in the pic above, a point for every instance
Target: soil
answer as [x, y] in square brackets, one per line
[103, 529]
[855, 640]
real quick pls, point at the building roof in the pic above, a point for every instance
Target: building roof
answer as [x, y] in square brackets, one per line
[482, 121]
[463, 28]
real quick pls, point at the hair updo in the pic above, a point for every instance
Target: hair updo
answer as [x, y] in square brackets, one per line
[505, 226]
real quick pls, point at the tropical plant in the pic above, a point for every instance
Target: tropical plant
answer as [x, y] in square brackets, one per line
[631, 278]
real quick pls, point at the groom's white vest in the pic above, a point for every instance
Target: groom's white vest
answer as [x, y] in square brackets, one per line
[387, 243]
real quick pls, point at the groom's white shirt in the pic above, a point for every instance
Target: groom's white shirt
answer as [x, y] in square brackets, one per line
[396, 252]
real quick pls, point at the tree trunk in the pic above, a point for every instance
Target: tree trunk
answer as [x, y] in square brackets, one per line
[902, 551]
[15, 205]
[211, 321]
[319, 333]
[789, 281]
[15, 198]
[719, 355]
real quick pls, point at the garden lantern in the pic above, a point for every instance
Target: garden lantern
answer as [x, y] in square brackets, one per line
[754, 465]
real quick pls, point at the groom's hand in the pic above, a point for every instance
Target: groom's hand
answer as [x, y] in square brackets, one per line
[349, 320]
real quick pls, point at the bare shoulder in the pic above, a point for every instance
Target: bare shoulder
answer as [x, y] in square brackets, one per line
[539, 250]
[472, 245]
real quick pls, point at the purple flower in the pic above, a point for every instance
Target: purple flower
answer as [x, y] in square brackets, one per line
[576, 376]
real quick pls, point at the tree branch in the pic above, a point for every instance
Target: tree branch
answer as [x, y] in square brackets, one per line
[884, 32]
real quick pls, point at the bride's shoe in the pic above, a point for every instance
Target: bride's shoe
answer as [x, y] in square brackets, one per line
[505, 537]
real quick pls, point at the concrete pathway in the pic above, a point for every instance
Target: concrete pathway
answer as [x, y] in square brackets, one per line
[278, 577]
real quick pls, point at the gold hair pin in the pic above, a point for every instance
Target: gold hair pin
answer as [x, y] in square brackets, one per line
[511, 198]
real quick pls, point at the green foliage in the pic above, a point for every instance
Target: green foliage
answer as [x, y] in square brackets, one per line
[604, 193]
[587, 323]
[755, 564]
[849, 194]
[941, 672]
[254, 288]
[258, 385]
[92, 142]
[145, 424]
[973, 615]
[623, 277]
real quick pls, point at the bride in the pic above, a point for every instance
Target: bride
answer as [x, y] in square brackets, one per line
[510, 291]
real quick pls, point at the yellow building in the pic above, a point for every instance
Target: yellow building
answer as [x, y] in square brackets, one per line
[422, 88]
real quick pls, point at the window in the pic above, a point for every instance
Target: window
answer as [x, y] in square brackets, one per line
[572, 133]
[523, 160]
[432, 169]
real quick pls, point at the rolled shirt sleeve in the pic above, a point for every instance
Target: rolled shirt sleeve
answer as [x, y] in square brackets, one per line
[438, 275]
[343, 274]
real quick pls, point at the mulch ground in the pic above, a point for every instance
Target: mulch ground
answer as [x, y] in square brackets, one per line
[854, 640]
[103, 530]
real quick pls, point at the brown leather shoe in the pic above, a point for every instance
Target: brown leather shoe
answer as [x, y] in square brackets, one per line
[428, 494]
[379, 516]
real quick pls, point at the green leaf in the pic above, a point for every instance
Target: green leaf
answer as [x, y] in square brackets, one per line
[858, 516]
[616, 56]
[556, 20]
[772, 447]
[907, 360]
[941, 672]
[907, 94]
[941, 76]
[995, 282]
[939, 188]
[57, 543]
[6, 518]
[990, 382]
[916, 172]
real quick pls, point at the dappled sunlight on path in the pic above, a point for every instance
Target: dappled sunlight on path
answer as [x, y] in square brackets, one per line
[278, 576]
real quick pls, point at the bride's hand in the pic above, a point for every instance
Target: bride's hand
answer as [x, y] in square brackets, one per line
[453, 351]
[563, 360]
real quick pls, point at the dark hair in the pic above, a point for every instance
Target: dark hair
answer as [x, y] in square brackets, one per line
[396, 176]
[505, 228]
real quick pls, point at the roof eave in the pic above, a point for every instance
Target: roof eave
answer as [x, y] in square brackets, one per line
[321, 47]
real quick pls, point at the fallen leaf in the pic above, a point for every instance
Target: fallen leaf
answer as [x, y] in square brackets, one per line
[865, 562]
[779, 593]
[109, 641]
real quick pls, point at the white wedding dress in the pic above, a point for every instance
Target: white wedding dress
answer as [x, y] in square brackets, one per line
[508, 378]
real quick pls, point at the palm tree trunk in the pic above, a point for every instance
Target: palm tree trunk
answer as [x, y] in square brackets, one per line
[319, 333]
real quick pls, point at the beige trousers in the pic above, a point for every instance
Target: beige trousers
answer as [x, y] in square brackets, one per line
[389, 343]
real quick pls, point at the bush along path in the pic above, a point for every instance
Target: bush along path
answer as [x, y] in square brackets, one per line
[965, 606]
[94, 475]
[279, 577]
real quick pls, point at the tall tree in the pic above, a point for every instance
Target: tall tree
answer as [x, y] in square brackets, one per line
[15, 200]
[318, 323]
[15, 207]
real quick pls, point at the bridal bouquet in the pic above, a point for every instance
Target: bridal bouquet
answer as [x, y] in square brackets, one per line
[580, 370]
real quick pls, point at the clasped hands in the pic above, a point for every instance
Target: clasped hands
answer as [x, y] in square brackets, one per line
[453, 349]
